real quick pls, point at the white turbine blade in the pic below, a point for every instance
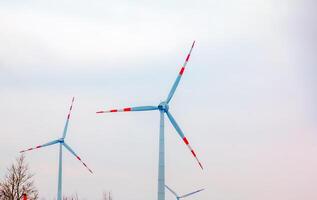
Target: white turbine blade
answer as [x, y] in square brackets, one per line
[176, 195]
[189, 194]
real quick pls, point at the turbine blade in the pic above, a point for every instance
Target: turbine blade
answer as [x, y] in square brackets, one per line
[181, 134]
[73, 152]
[176, 195]
[40, 146]
[189, 194]
[67, 120]
[129, 109]
[171, 93]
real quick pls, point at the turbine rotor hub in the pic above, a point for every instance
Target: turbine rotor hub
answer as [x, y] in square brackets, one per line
[163, 106]
[61, 140]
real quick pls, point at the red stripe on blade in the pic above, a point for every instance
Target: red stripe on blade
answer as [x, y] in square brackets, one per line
[100, 112]
[114, 110]
[185, 140]
[193, 153]
[200, 165]
[187, 57]
[78, 157]
[126, 109]
[39, 146]
[182, 71]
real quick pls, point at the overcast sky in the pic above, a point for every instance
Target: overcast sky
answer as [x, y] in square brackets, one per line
[246, 101]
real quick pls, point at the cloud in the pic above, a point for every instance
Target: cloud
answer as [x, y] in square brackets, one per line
[42, 35]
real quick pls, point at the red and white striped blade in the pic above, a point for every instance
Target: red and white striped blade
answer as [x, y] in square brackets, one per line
[187, 59]
[68, 117]
[70, 108]
[129, 109]
[192, 151]
[182, 135]
[40, 146]
[179, 76]
[78, 158]
[70, 111]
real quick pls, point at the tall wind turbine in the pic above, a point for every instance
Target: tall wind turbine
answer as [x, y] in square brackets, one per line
[163, 107]
[62, 143]
[183, 196]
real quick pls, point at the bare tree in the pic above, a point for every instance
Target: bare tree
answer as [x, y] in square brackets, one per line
[18, 181]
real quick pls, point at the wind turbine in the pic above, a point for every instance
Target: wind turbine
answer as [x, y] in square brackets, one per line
[183, 196]
[163, 107]
[62, 143]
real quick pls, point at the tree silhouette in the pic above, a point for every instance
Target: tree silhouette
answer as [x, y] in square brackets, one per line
[18, 181]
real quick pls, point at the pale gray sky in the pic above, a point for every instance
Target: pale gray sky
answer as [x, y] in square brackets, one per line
[246, 101]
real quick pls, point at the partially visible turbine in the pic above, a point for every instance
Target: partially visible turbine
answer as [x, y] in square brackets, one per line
[163, 107]
[182, 196]
[62, 143]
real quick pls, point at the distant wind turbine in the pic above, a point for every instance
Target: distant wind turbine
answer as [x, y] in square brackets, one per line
[62, 143]
[182, 196]
[163, 107]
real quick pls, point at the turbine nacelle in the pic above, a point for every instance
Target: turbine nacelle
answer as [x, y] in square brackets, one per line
[61, 140]
[163, 106]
